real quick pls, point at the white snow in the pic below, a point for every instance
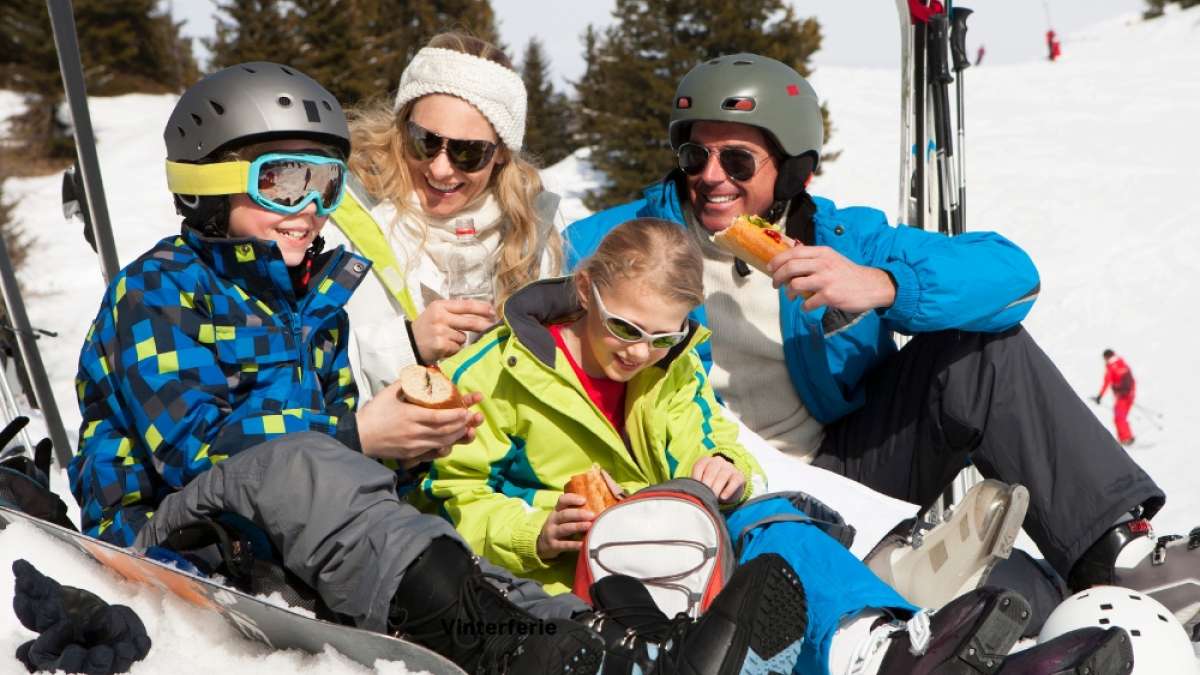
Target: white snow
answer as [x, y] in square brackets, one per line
[1089, 164]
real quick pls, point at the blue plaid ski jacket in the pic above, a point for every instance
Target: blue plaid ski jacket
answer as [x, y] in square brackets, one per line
[201, 350]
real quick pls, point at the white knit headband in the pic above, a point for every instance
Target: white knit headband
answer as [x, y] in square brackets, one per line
[496, 91]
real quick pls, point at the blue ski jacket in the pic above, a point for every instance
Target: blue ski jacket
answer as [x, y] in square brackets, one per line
[200, 350]
[978, 281]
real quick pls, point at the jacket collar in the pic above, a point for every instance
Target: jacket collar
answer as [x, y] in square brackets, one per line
[257, 266]
[550, 301]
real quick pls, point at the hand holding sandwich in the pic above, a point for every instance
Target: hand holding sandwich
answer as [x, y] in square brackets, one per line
[584, 496]
[827, 278]
[421, 426]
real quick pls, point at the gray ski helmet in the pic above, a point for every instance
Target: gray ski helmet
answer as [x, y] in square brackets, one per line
[754, 90]
[252, 102]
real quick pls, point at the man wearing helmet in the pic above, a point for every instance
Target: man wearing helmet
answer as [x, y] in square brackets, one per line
[806, 357]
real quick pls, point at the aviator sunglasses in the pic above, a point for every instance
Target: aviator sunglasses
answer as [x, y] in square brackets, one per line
[738, 163]
[468, 156]
[626, 331]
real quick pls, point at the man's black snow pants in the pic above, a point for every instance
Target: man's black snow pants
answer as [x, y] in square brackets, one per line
[996, 400]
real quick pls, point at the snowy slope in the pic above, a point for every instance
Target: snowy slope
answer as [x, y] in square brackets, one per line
[1089, 164]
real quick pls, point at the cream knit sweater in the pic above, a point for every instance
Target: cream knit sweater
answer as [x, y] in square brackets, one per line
[748, 370]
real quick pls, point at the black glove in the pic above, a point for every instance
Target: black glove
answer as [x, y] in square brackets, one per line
[1096, 398]
[79, 632]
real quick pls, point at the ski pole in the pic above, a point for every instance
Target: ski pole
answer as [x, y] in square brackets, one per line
[940, 79]
[32, 357]
[66, 42]
[958, 48]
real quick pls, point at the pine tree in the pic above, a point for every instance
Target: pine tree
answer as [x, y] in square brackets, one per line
[125, 45]
[1156, 8]
[548, 120]
[328, 51]
[397, 29]
[14, 236]
[633, 68]
[251, 30]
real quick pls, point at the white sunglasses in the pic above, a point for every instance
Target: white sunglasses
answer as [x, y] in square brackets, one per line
[626, 331]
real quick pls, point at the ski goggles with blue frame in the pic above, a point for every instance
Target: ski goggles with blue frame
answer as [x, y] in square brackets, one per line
[283, 182]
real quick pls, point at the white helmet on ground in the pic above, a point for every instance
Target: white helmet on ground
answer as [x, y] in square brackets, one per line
[1160, 644]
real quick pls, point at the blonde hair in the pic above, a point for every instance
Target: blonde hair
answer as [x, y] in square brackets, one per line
[380, 145]
[654, 252]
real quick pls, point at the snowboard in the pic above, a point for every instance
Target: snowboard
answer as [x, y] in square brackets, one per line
[257, 619]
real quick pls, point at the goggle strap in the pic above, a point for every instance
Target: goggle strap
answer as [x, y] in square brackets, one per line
[221, 178]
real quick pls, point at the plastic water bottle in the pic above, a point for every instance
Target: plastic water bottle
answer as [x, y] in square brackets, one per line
[468, 274]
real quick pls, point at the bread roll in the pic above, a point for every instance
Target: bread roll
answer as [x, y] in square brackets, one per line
[427, 387]
[591, 484]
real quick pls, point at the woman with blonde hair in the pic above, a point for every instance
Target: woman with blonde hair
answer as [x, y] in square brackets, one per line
[453, 216]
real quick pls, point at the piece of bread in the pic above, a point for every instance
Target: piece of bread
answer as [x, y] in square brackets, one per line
[591, 484]
[754, 240]
[428, 387]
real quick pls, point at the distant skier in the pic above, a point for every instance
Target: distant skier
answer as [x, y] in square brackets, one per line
[1053, 45]
[1118, 375]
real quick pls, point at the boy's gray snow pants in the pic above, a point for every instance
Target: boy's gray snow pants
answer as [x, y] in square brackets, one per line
[334, 516]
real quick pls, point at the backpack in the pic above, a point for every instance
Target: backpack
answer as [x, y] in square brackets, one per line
[669, 536]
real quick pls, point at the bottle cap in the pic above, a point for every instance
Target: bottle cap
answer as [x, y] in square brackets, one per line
[464, 226]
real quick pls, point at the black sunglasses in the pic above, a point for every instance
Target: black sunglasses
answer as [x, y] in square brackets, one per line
[469, 156]
[738, 163]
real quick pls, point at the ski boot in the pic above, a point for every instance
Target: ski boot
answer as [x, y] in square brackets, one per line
[1085, 651]
[930, 566]
[971, 635]
[1166, 568]
[755, 625]
[444, 602]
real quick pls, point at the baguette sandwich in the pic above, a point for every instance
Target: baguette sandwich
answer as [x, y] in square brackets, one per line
[754, 240]
[592, 485]
[428, 387]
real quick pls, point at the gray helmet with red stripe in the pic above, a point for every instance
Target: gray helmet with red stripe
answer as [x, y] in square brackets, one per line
[754, 90]
[760, 92]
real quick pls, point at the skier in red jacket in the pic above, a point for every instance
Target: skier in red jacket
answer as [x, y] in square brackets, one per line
[1118, 375]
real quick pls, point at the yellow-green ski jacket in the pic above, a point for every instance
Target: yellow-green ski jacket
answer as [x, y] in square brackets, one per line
[540, 428]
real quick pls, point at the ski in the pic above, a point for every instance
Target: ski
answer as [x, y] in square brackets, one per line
[66, 43]
[255, 618]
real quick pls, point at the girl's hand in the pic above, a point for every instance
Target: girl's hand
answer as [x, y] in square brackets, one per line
[721, 476]
[560, 533]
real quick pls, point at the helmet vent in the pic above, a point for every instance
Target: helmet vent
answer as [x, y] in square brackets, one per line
[248, 69]
[739, 103]
[714, 62]
[217, 107]
[182, 133]
[197, 119]
[327, 106]
[743, 62]
[284, 101]
[284, 69]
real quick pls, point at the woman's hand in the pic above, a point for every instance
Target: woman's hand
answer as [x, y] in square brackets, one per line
[389, 428]
[562, 529]
[721, 476]
[441, 330]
